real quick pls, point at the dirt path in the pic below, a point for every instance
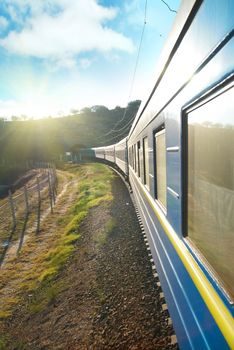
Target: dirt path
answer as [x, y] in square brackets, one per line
[34, 245]
[110, 299]
[29, 179]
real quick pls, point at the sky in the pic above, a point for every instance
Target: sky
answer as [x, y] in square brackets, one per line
[57, 56]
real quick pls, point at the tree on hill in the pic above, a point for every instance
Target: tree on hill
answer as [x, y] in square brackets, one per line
[46, 139]
[99, 109]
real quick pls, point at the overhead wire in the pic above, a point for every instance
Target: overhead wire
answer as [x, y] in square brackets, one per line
[123, 134]
[168, 6]
[123, 129]
[134, 73]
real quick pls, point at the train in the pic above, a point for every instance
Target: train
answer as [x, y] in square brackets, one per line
[179, 160]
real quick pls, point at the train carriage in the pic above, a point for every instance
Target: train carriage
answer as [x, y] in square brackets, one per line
[107, 153]
[110, 153]
[99, 152]
[121, 155]
[181, 169]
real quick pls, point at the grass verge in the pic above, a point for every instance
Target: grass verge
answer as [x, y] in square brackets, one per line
[101, 239]
[32, 275]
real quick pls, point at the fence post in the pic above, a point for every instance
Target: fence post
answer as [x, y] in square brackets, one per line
[26, 201]
[53, 185]
[39, 206]
[55, 179]
[11, 201]
[48, 166]
[50, 193]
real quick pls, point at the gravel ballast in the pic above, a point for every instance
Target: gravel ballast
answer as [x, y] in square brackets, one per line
[132, 316]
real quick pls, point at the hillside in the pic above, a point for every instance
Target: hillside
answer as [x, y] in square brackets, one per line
[48, 138]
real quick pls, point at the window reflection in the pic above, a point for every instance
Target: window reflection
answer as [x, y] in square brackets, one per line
[146, 161]
[135, 161]
[211, 183]
[138, 159]
[160, 142]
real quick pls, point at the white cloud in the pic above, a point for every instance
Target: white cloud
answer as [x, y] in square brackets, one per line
[3, 22]
[135, 12]
[65, 61]
[59, 30]
[85, 63]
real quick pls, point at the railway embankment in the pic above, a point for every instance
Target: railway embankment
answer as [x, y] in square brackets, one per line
[86, 281]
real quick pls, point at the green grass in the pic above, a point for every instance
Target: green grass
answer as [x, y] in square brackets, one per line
[101, 295]
[101, 239]
[44, 296]
[18, 345]
[3, 343]
[94, 187]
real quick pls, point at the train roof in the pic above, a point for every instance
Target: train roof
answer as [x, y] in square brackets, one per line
[186, 9]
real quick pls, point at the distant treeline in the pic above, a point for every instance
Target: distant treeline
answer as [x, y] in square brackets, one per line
[47, 139]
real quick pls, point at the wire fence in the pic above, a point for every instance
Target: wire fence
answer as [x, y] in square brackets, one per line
[27, 204]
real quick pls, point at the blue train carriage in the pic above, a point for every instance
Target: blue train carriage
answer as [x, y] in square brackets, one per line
[99, 152]
[121, 155]
[182, 173]
[110, 153]
[106, 153]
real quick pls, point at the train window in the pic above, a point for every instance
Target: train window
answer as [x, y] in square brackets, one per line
[210, 188]
[146, 161]
[160, 144]
[130, 155]
[138, 159]
[135, 162]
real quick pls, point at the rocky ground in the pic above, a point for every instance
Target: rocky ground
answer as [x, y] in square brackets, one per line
[109, 299]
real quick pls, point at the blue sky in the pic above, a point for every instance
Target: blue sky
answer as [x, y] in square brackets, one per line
[59, 55]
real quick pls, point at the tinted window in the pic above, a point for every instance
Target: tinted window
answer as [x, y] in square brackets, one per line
[160, 144]
[135, 158]
[133, 161]
[138, 159]
[146, 161]
[211, 183]
[130, 155]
